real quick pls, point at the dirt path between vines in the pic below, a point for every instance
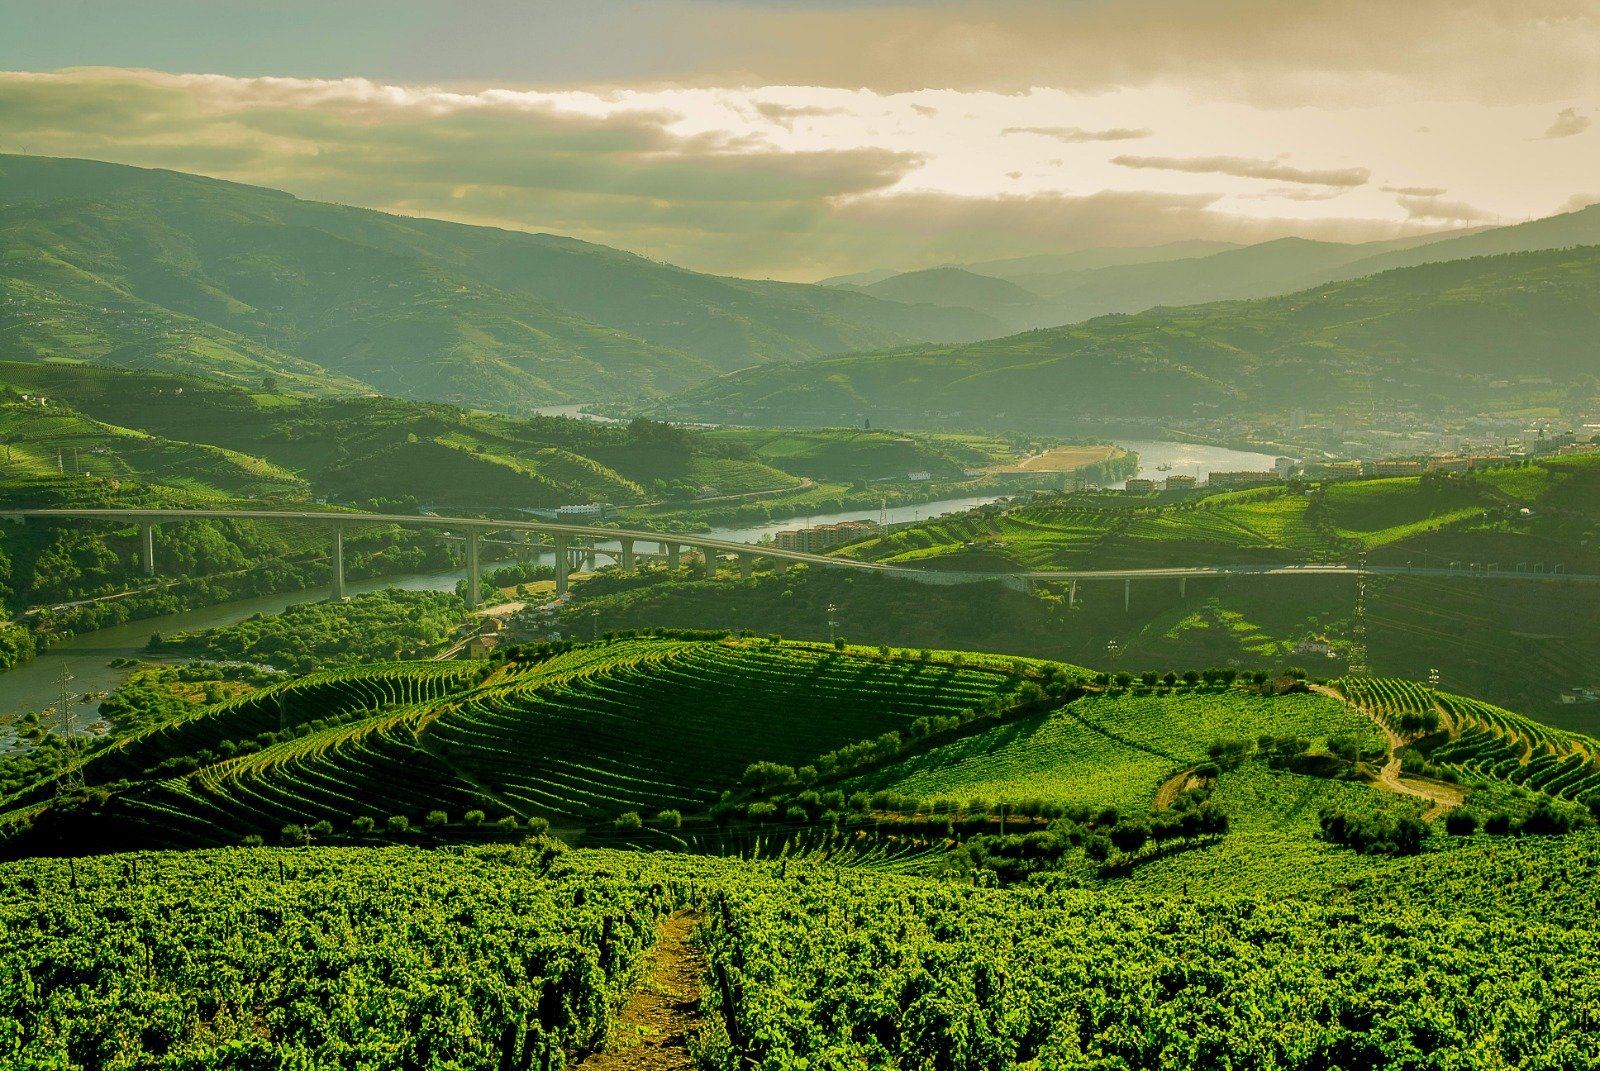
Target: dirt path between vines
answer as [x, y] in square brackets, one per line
[1441, 795]
[1172, 788]
[653, 1031]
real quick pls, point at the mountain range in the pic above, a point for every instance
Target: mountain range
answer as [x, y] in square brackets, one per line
[152, 269]
[1461, 333]
[1051, 290]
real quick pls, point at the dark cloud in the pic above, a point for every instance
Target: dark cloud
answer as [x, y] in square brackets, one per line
[1277, 54]
[1244, 167]
[1073, 134]
[1568, 122]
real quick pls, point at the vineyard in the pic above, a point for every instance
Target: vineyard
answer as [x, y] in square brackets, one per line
[880, 913]
[329, 958]
[1482, 745]
[631, 724]
[1113, 749]
[847, 969]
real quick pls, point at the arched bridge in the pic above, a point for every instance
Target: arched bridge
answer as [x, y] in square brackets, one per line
[575, 544]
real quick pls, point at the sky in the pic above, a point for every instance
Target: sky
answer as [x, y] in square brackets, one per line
[801, 140]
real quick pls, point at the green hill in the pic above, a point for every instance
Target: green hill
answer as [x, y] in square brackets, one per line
[159, 270]
[582, 735]
[1433, 336]
[1172, 875]
[634, 724]
[953, 287]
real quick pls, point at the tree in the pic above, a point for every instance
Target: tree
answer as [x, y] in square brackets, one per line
[323, 828]
[627, 822]
[1130, 836]
[292, 834]
[364, 824]
[437, 819]
[669, 819]
[397, 825]
[473, 818]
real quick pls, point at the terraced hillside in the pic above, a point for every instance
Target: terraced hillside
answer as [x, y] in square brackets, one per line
[636, 724]
[581, 735]
[1425, 520]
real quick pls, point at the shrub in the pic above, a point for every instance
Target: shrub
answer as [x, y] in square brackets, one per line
[507, 822]
[1461, 822]
[538, 827]
[1497, 824]
[627, 822]
[473, 818]
[1546, 821]
[1375, 834]
[292, 834]
[253, 841]
[323, 828]
[397, 824]
[364, 824]
[668, 819]
[436, 819]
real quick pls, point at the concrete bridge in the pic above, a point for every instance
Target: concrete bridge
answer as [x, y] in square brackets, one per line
[577, 546]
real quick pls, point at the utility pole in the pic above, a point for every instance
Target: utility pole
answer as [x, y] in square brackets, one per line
[594, 625]
[832, 623]
[70, 778]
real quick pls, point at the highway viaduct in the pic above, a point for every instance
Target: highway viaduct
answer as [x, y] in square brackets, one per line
[574, 544]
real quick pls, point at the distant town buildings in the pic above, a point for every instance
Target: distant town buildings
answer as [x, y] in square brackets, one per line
[1398, 466]
[1240, 479]
[1140, 486]
[1285, 467]
[823, 536]
[1181, 483]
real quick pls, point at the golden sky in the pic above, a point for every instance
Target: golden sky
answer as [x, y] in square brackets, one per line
[798, 140]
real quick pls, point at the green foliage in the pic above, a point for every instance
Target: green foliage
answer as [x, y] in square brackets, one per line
[181, 960]
[374, 627]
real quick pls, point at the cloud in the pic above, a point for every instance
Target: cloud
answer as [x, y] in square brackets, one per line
[1434, 209]
[1579, 201]
[704, 178]
[1074, 134]
[784, 115]
[1244, 167]
[1416, 191]
[1309, 52]
[1568, 122]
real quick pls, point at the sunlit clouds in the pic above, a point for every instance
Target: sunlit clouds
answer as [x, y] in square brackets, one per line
[907, 135]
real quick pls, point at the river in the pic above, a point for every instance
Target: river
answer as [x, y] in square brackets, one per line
[36, 684]
[1192, 459]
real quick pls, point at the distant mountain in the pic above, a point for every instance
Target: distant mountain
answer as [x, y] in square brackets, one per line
[1437, 335]
[1015, 268]
[157, 269]
[860, 278]
[1552, 232]
[1069, 288]
[958, 288]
